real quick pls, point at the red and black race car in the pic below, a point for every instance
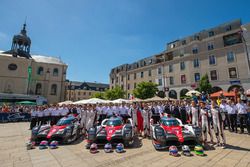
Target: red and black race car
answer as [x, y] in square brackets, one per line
[112, 130]
[65, 131]
[171, 131]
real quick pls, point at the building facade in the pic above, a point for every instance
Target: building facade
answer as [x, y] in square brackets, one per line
[83, 90]
[221, 52]
[25, 74]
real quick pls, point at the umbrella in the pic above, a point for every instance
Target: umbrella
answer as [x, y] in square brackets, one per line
[26, 103]
[226, 94]
[155, 98]
[191, 92]
[65, 102]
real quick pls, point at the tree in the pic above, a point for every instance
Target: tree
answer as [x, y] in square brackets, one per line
[100, 95]
[115, 93]
[145, 90]
[204, 84]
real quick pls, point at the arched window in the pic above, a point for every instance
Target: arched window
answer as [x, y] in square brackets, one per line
[172, 94]
[38, 89]
[183, 93]
[40, 71]
[53, 89]
[55, 72]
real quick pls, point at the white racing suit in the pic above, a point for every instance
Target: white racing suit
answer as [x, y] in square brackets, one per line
[146, 115]
[205, 125]
[83, 116]
[195, 116]
[133, 114]
[90, 119]
[218, 125]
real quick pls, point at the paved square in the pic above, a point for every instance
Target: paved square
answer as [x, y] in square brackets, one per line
[13, 137]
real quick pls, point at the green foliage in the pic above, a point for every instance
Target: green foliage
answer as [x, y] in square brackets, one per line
[100, 95]
[145, 90]
[204, 84]
[115, 93]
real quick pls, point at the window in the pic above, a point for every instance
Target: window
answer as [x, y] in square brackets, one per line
[196, 37]
[195, 50]
[171, 80]
[55, 72]
[38, 89]
[116, 79]
[183, 79]
[213, 75]
[79, 93]
[229, 28]
[141, 74]
[170, 68]
[232, 39]
[159, 70]
[134, 85]
[128, 86]
[212, 60]
[211, 33]
[89, 93]
[197, 77]
[128, 77]
[122, 78]
[122, 87]
[112, 80]
[230, 57]
[232, 72]
[53, 89]
[84, 93]
[134, 75]
[182, 65]
[210, 46]
[172, 46]
[196, 63]
[150, 81]
[12, 67]
[149, 73]
[160, 82]
[40, 71]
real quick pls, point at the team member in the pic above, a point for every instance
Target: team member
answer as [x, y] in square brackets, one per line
[90, 117]
[205, 124]
[83, 116]
[248, 117]
[155, 113]
[33, 121]
[123, 112]
[224, 110]
[146, 115]
[183, 113]
[218, 124]
[194, 114]
[101, 114]
[133, 114]
[232, 114]
[40, 116]
[242, 113]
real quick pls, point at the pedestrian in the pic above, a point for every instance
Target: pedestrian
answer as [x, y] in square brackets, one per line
[242, 114]
[194, 114]
[232, 114]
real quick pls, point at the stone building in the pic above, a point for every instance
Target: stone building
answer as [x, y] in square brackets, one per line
[83, 90]
[25, 74]
[221, 52]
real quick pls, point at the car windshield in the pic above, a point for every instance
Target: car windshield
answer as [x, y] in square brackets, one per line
[170, 122]
[64, 122]
[114, 122]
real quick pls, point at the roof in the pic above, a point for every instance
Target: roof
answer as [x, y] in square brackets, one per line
[47, 59]
[98, 85]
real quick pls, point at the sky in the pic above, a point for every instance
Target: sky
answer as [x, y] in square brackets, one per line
[94, 36]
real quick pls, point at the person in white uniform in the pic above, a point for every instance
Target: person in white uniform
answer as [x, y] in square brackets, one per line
[206, 128]
[90, 117]
[146, 115]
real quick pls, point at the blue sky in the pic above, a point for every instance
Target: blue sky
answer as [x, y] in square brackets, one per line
[93, 36]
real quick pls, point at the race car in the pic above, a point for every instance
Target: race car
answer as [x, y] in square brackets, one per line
[171, 131]
[65, 131]
[112, 130]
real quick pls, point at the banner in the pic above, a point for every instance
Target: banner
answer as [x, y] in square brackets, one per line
[14, 117]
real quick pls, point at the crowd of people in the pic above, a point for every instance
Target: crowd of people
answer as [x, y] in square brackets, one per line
[212, 116]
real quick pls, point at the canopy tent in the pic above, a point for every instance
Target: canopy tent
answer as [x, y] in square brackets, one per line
[169, 99]
[222, 92]
[155, 98]
[191, 92]
[90, 101]
[135, 100]
[65, 102]
[119, 101]
[26, 103]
